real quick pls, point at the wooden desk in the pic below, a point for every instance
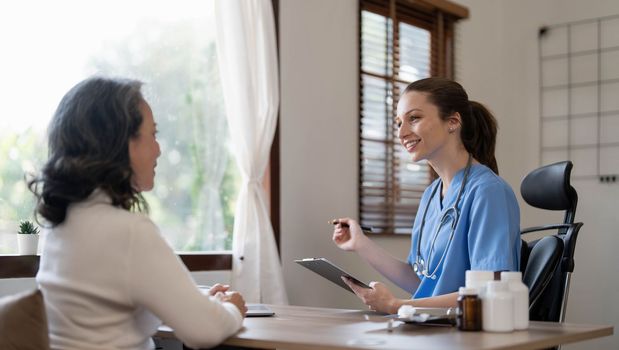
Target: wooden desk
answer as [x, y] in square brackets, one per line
[297, 327]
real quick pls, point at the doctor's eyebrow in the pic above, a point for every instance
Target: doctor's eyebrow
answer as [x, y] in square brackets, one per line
[397, 118]
[412, 110]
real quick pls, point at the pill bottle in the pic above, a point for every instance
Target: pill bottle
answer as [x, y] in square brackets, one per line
[498, 308]
[469, 309]
[520, 292]
[478, 279]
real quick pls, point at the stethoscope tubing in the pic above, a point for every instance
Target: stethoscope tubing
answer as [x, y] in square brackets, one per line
[419, 266]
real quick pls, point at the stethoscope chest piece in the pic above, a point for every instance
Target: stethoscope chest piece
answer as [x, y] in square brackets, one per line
[420, 269]
[418, 265]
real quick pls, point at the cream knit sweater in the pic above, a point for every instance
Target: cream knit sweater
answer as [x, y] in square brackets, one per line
[109, 279]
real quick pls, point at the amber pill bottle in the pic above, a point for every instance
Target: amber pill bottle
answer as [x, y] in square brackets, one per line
[469, 310]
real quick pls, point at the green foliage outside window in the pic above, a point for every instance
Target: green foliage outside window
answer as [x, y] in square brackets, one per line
[178, 67]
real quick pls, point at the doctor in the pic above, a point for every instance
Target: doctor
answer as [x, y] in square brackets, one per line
[468, 218]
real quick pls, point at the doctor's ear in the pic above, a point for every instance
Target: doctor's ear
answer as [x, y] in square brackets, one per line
[454, 123]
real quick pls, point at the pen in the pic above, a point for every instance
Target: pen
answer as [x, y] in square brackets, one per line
[363, 227]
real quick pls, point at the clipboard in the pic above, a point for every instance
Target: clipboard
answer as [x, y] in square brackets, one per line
[330, 271]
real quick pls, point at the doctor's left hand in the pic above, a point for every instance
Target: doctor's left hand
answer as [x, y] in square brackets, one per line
[378, 298]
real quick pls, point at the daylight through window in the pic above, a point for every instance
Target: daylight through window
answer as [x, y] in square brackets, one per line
[171, 48]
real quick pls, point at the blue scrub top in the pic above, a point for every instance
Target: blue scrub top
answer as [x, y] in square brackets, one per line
[487, 236]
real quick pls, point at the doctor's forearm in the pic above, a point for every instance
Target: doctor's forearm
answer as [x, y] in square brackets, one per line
[395, 270]
[445, 300]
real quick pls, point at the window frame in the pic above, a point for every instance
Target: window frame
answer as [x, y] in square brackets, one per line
[439, 18]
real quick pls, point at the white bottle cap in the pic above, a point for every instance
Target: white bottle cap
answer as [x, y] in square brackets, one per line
[474, 275]
[511, 276]
[468, 291]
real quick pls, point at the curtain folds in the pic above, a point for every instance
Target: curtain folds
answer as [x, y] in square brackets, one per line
[212, 159]
[247, 54]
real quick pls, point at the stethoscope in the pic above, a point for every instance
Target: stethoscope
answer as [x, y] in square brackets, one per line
[419, 266]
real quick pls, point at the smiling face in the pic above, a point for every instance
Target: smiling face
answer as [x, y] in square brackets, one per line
[420, 128]
[144, 151]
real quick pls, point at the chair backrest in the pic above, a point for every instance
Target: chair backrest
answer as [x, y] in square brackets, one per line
[543, 261]
[23, 323]
[549, 188]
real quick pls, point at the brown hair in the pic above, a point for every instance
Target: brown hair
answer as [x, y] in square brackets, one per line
[89, 148]
[479, 127]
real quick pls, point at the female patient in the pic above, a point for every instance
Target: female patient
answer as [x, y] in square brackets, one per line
[468, 218]
[108, 277]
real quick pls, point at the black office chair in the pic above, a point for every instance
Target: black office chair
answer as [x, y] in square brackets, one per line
[542, 262]
[547, 263]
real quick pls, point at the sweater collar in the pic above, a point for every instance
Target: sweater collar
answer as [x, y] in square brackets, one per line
[99, 196]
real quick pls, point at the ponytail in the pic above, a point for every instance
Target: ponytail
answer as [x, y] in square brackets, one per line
[479, 135]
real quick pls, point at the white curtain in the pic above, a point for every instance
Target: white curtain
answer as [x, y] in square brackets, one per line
[210, 231]
[246, 50]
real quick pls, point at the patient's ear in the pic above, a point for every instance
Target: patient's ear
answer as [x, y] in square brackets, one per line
[23, 323]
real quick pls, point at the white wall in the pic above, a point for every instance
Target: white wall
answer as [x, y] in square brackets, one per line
[498, 64]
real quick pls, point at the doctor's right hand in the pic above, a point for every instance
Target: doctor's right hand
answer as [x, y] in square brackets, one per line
[347, 234]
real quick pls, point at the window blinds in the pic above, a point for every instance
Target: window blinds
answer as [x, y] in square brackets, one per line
[399, 43]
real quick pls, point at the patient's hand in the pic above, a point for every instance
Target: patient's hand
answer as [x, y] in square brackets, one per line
[237, 299]
[218, 288]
